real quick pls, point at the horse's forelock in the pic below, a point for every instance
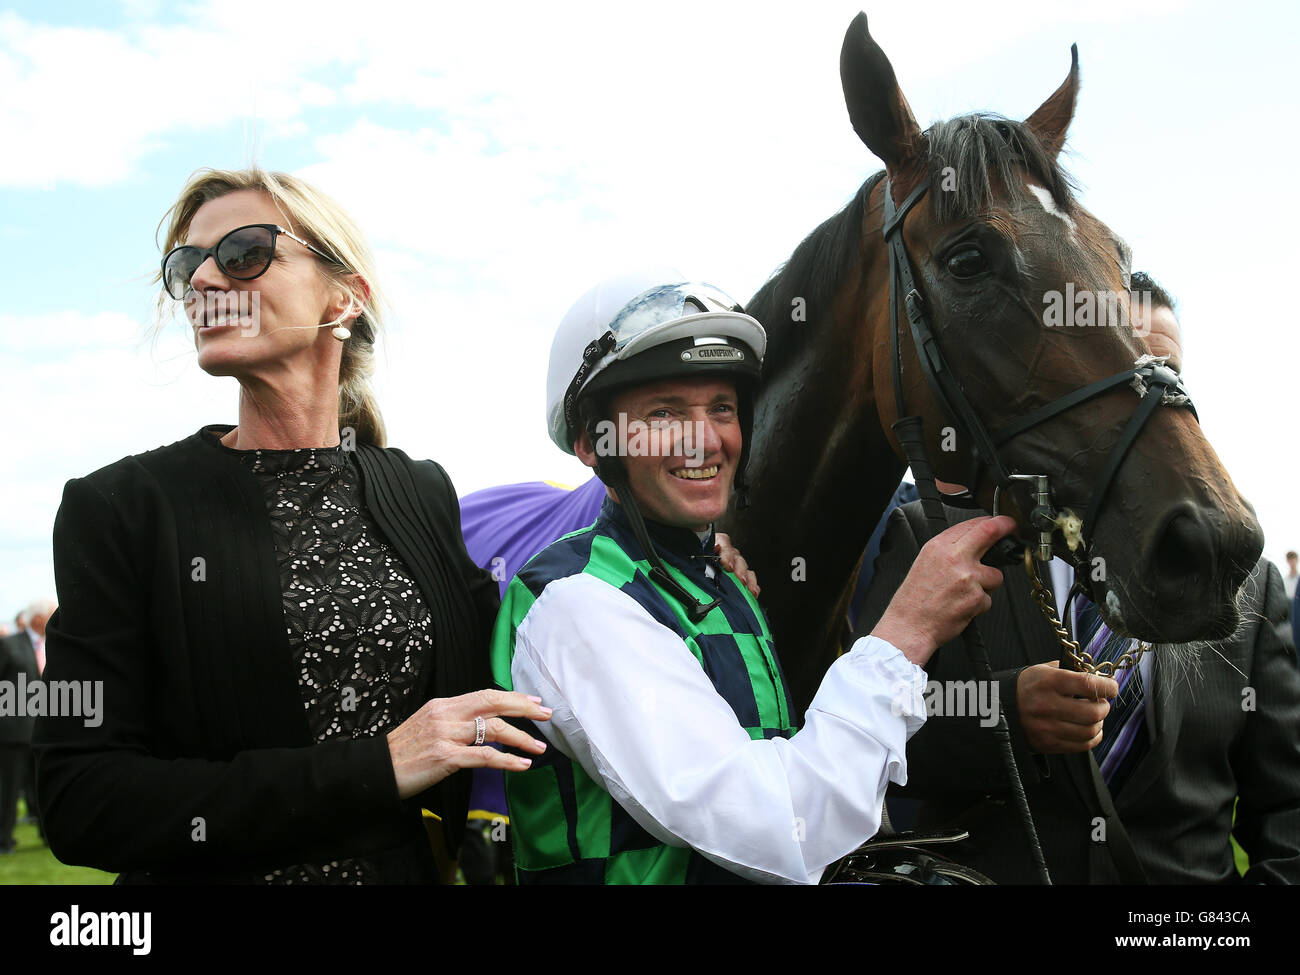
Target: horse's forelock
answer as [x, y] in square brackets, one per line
[970, 159]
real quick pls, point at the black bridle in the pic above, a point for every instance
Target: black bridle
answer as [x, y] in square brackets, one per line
[1161, 384]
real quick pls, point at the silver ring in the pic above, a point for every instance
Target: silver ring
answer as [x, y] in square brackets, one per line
[480, 731]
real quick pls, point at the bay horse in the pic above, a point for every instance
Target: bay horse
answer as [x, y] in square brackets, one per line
[994, 242]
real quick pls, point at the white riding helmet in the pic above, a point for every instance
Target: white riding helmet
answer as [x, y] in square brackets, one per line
[627, 317]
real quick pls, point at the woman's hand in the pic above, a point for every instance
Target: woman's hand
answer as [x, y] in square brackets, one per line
[439, 738]
[734, 562]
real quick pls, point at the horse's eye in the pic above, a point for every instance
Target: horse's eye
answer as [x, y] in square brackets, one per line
[967, 262]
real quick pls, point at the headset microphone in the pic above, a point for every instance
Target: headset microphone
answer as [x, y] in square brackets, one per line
[340, 331]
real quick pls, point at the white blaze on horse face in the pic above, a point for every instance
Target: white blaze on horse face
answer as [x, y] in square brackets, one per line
[1045, 198]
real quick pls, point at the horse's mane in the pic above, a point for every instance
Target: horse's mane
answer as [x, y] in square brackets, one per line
[974, 156]
[811, 275]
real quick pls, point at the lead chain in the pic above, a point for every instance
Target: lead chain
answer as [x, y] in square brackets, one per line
[1083, 661]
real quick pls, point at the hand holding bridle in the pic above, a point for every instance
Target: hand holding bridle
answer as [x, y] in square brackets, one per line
[1061, 711]
[945, 589]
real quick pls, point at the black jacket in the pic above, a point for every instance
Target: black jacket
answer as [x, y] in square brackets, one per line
[169, 593]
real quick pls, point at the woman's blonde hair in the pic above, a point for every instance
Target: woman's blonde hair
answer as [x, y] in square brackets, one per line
[312, 215]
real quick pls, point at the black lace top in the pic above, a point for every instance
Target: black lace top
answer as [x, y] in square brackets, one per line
[358, 626]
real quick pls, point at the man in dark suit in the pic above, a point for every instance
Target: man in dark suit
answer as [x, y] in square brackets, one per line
[1222, 727]
[19, 655]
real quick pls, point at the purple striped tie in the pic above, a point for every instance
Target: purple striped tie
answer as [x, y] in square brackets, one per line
[1124, 732]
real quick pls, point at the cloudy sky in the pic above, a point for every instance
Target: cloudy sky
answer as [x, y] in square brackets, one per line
[503, 158]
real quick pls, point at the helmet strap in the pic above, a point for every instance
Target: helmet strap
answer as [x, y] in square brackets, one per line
[593, 353]
[611, 471]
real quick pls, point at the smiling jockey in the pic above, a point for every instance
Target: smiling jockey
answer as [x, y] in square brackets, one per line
[673, 755]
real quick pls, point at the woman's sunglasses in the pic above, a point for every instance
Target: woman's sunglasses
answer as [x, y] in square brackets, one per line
[243, 254]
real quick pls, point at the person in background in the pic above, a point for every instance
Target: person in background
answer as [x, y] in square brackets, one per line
[22, 655]
[1288, 626]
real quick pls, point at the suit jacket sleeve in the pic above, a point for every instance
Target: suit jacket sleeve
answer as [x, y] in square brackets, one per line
[1267, 757]
[108, 799]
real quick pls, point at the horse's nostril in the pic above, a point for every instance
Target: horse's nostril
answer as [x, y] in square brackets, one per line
[1184, 560]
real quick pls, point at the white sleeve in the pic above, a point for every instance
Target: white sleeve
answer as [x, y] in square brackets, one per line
[635, 709]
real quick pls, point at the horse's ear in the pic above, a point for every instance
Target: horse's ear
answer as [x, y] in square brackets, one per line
[1052, 118]
[879, 112]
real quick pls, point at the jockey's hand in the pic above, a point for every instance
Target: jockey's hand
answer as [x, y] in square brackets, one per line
[733, 561]
[945, 589]
[1061, 711]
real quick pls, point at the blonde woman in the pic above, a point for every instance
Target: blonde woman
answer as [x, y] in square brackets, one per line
[282, 613]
